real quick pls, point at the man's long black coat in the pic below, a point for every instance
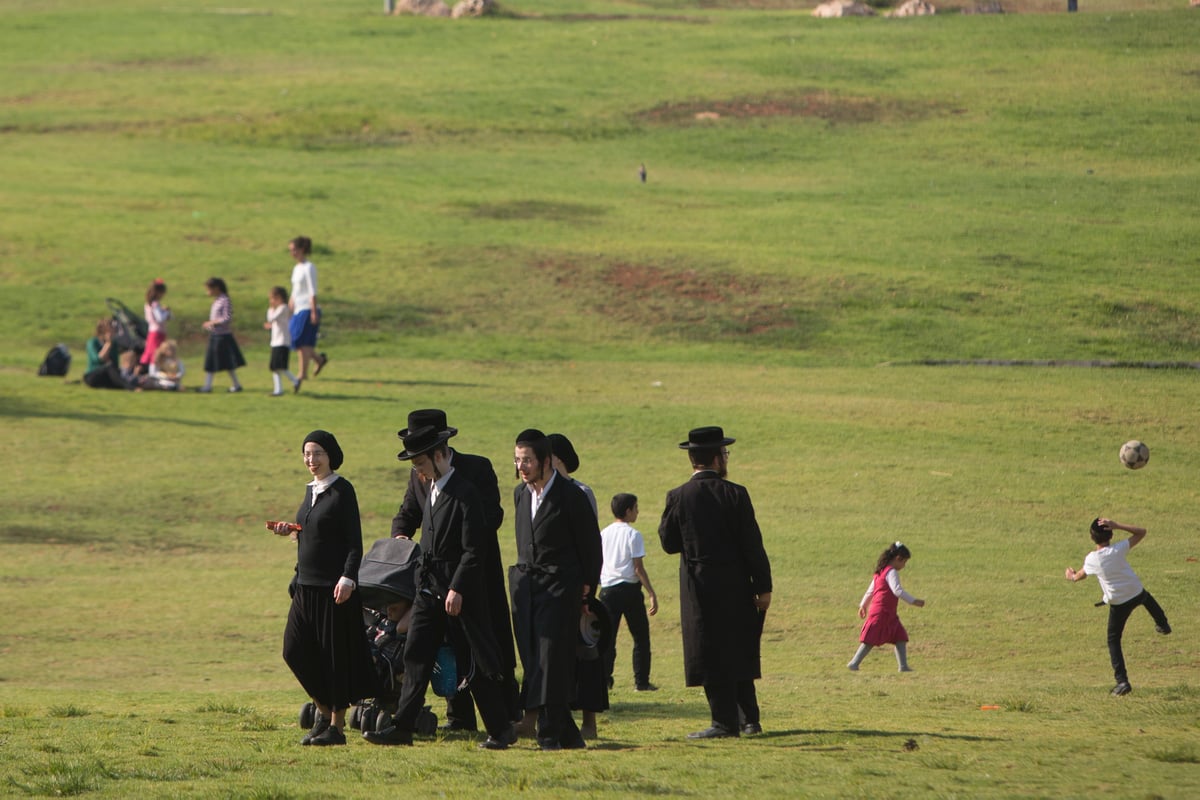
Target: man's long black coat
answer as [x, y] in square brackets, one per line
[455, 555]
[558, 552]
[477, 471]
[710, 522]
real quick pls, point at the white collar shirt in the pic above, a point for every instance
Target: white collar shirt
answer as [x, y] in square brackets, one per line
[436, 489]
[319, 486]
[536, 497]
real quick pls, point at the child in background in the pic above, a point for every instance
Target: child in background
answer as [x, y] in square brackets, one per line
[882, 624]
[281, 339]
[129, 370]
[1123, 590]
[621, 581]
[166, 370]
[156, 319]
[223, 353]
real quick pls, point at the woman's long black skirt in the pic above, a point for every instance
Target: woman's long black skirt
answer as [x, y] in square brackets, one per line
[325, 644]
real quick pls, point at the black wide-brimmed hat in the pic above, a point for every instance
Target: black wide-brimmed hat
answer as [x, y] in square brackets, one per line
[422, 440]
[427, 416]
[711, 436]
[561, 446]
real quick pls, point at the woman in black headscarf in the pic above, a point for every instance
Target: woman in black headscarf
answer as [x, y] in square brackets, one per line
[324, 642]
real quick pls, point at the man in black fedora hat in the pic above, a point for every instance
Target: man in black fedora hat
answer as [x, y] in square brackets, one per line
[452, 600]
[478, 471]
[724, 584]
[557, 569]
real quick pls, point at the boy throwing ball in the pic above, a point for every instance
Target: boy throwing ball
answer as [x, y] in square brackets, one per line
[1123, 591]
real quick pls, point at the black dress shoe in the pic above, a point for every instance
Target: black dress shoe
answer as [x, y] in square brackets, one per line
[447, 727]
[318, 728]
[751, 729]
[715, 732]
[575, 742]
[389, 735]
[330, 736]
[548, 744]
[500, 742]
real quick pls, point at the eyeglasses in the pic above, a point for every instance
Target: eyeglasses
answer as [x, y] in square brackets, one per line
[725, 453]
[527, 461]
[315, 454]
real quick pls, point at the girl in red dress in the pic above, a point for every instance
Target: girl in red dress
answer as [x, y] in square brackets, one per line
[878, 607]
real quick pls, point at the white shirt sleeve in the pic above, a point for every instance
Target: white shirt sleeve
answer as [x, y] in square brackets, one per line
[893, 582]
[867, 597]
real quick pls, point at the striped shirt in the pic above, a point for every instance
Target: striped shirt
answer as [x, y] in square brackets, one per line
[221, 315]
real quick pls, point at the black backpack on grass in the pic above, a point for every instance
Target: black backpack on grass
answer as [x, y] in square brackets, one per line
[57, 361]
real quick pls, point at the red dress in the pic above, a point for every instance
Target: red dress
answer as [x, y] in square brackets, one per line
[883, 624]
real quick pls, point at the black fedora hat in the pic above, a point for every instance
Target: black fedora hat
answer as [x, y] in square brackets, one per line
[711, 436]
[422, 440]
[427, 416]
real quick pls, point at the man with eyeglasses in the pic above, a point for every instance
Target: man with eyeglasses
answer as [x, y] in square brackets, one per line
[558, 567]
[724, 584]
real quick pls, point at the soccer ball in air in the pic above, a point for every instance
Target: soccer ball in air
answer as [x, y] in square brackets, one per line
[1134, 454]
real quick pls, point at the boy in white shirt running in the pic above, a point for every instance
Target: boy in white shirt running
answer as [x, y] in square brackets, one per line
[1123, 591]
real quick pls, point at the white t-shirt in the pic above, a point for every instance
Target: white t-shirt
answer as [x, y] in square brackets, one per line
[281, 335]
[621, 543]
[1118, 580]
[304, 286]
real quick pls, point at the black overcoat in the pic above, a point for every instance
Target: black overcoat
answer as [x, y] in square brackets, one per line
[478, 471]
[710, 522]
[455, 555]
[558, 552]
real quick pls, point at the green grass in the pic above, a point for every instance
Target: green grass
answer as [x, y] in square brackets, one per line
[873, 193]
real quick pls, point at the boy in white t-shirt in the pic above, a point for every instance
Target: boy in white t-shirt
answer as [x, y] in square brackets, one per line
[621, 580]
[1123, 591]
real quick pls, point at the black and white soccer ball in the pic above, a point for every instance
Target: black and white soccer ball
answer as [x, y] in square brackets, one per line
[1135, 454]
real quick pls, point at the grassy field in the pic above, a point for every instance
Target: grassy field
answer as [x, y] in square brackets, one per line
[870, 194]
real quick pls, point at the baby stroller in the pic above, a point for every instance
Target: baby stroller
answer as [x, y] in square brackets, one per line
[386, 577]
[129, 330]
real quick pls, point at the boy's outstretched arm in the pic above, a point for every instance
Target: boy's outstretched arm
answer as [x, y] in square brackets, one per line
[1075, 575]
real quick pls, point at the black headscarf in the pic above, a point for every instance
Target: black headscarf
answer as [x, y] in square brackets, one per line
[327, 440]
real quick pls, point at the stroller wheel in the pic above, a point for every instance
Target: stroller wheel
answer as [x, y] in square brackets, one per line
[308, 715]
[354, 719]
[367, 719]
[382, 720]
[427, 722]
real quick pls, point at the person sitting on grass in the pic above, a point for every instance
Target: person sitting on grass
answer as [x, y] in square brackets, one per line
[1123, 590]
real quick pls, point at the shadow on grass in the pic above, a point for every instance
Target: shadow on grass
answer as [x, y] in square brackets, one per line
[386, 382]
[21, 410]
[850, 734]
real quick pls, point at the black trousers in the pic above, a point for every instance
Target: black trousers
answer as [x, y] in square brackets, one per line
[732, 703]
[1118, 615]
[429, 628]
[626, 600]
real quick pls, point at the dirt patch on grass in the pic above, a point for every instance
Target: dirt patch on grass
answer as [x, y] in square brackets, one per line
[833, 108]
[535, 209]
[692, 303]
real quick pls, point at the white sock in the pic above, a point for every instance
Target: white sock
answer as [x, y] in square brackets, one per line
[233, 379]
[278, 382]
[208, 378]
